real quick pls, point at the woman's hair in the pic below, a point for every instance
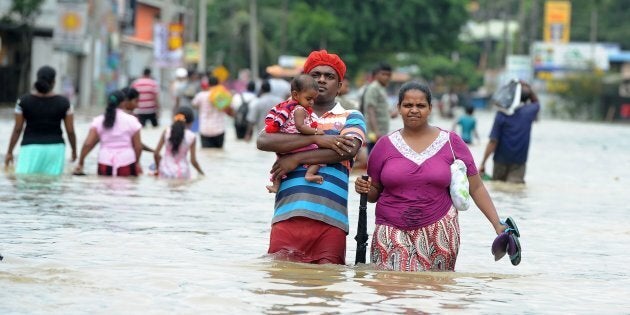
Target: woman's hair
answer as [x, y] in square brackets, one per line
[303, 82]
[183, 116]
[414, 85]
[130, 93]
[113, 100]
[45, 79]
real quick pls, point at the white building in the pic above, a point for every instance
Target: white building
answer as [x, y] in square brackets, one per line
[117, 44]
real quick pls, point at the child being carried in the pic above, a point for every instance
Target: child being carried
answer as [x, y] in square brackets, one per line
[294, 116]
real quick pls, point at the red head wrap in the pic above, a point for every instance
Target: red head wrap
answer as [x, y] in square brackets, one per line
[323, 58]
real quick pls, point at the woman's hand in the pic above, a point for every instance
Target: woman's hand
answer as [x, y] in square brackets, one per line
[74, 156]
[343, 145]
[282, 166]
[362, 186]
[8, 160]
[499, 227]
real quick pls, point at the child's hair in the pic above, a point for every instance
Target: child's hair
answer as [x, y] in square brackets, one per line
[183, 116]
[113, 100]
[470, 110]
[130, 93]
[303, 82]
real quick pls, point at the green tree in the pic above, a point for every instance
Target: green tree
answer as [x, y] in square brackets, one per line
[612, 16]
[362, 32]
[22, 14]
[372, 30]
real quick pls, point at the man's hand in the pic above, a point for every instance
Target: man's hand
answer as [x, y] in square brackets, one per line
[343, 145]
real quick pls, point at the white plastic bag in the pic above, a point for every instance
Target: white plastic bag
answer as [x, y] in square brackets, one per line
[459, 186]
[460, 193]
[507, 98]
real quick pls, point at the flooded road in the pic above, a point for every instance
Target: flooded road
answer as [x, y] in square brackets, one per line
[87, 244]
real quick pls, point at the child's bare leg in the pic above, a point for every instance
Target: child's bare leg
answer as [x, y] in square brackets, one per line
[274, 187]
[311, 174]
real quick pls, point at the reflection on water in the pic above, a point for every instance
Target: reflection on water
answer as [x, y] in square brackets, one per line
[85, 244]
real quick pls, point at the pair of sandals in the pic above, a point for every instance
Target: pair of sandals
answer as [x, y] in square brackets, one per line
[507, 242]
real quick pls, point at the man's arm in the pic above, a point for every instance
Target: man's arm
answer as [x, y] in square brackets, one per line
[283, 142]
[289, 162]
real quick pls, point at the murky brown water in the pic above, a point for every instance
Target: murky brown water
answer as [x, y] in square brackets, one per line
[87, 244]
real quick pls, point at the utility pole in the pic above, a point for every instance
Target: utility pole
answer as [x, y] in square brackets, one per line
[484, 60]
[593, 32]
[533, 24]
[284, 26]
[522, 35]
[253, 43]
[203, 35]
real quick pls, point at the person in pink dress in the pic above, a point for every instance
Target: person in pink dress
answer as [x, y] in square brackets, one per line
[179, 141]
[119, 136]
[417, 226]
[295, 116]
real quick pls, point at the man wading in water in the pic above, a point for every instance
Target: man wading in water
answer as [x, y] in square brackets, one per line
[310, 221]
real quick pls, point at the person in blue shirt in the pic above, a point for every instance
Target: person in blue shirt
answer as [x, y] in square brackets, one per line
[509, 139]
[468, 124]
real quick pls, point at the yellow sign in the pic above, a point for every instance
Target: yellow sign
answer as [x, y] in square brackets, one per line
[221, 73]
[71, 21]
[557, 25]
[192, 53]
[175, 36]
[71, 27]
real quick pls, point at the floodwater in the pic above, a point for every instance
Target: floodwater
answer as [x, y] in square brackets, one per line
[86, 244]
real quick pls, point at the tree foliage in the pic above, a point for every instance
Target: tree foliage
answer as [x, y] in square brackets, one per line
[362, 31]
[612, 16]
[460, 75]
[22, 14]
[23, 11]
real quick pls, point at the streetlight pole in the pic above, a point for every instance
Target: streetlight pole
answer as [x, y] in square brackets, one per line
[253, 43]
[203, 35]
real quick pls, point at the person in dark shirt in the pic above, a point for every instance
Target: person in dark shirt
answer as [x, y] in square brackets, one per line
[509, 139]
[43, 149]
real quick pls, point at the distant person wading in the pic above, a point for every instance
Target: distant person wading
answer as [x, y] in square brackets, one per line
[119, 136]
[43, 149]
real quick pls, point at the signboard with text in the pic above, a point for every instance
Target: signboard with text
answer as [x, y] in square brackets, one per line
[70, 25]
[168, 48]
[557, 24]
[549, 58]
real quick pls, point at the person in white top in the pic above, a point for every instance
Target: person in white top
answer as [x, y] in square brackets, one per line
[259, 109]
[241, 106]
[179, 140]
[214, 108]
